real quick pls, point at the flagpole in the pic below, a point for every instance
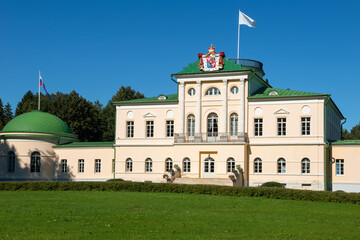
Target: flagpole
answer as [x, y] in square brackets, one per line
[39, 93]
[238, 45]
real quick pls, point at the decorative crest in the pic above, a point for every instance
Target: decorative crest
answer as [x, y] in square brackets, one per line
[211, 61]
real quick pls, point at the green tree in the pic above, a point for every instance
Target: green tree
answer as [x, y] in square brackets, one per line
[2, 115]
[353, 134]
[8, 114]
[108, 112]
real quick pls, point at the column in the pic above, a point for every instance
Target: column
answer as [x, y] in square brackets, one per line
[242, 108]
[224, 110]
[182, 108]
[198, 110]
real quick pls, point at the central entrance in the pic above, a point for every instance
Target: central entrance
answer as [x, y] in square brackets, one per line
[209, 168]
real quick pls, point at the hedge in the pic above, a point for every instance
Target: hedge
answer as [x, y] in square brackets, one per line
[266, 192]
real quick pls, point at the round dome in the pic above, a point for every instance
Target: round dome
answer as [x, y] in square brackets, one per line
[38, 122]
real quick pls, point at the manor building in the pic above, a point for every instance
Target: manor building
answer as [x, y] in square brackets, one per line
[224, 114]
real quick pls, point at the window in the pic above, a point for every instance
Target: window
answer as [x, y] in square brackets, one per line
[148, 165]
[281, 165]
[305, 165]
[257, 165]
[212, 91]
[305, 126]
[258, 127]
[150, 129]
[130, 129]
[35, 162]
[191, 92]
[63, 165]
[11, 161]
[339, 167]
[186, 165]
[212, 125]
[168, 164]
[191, 125]
[281, 122]
[170, 128]
[97, 165]
[129, 165]
[230, 165]
[81, 165]
[234, 124]
[234, 90]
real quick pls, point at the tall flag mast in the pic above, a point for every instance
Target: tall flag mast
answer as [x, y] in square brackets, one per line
[39, 91]
[243, 20]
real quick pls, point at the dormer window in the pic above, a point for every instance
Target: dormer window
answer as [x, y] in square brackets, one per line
[191, 92]
[161, 97]
[273, 93]
[212, 91]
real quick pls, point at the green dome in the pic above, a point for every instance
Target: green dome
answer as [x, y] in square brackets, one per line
[38, 122]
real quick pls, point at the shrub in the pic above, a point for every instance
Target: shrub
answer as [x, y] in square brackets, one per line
[115, 180]
[272, 184]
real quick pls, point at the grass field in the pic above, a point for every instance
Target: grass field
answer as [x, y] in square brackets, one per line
[133, 215]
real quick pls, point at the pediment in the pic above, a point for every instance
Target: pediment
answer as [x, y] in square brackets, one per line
[149, 115]
[281, 111]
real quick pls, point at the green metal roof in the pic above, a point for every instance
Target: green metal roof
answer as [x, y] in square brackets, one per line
[229, 66]
[38, 122]
[169, 98]
[264, 93]
[85, 144]
[347, 142]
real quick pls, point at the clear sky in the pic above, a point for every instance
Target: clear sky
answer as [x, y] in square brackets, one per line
[94, 47]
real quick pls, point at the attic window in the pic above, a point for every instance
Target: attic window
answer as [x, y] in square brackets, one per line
[273, 93]
[161, 97]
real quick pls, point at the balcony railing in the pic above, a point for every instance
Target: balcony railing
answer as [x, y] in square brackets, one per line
[210, 137]
[248, 63]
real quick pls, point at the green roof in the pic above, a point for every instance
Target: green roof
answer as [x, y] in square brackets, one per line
[347, 142]
[229, 66]
[276, 93]
[38, 122]
[169, 98]
[85, 144]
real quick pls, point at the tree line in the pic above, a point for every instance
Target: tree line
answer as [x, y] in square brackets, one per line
[90, 121]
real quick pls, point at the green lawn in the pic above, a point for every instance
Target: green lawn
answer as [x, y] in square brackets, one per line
[133, 215]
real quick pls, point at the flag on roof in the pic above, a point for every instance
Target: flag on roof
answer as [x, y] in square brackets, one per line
[246, 20]
[43, 84]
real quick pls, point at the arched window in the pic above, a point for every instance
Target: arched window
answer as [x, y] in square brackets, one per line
[35, 162]
[186, 165]
[257, 165]
[129, 165]
[212, 91]
[230, 165]
[191, 92]
[191, 125]
[168, 164]
[11, 160]
[305, 165]
[234, 90]
[212, 125]
[281, 165]
[148, 165]
[233, 124]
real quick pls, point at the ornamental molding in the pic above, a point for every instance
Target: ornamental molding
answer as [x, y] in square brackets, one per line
[149, 115]
[281, 111]
[211, 61]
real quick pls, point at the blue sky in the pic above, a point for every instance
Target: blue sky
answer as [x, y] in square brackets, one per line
[94, 47]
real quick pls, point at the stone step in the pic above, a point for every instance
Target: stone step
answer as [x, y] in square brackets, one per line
[204, 181]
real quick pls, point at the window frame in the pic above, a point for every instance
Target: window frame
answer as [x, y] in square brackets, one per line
[192, 91]
[191, 125]
[11, 161]
[97, 165]
[150, 129]
[305, 126]
[258, 127]
[233, 91]
[170, 126]
[128, 165]
[339, 167]
[64, 167]
[234, 124]
[186, 165]
[257, 165]
[212, 124]
[305, 166]
[213, 91]
[230, 165]
[35, 162]
[281, 126]
[81, 165]
[281, 166]
[130, 126]
[148, 165]
[168, 164]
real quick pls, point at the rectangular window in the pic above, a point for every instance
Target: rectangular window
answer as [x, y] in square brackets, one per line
[81, 165]
[305, 126]
[130, 129]
[150, 129]
[64, 165]
[97, 165]
[170, 128]
[281, 124]
[339, 167]
[258, 125]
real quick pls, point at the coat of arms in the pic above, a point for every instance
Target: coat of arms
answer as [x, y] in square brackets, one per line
[211, 61]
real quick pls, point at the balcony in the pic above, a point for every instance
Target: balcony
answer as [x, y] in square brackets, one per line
[248, 63]
[210, 138]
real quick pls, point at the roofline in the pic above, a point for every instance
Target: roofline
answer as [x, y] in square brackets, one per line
[320, 96]
[69, 135]
[90, 145]
[143, 103]
[336, 107]
[205, 74]
[26, 136]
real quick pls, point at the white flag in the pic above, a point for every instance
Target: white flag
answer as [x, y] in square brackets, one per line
[246, 20]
